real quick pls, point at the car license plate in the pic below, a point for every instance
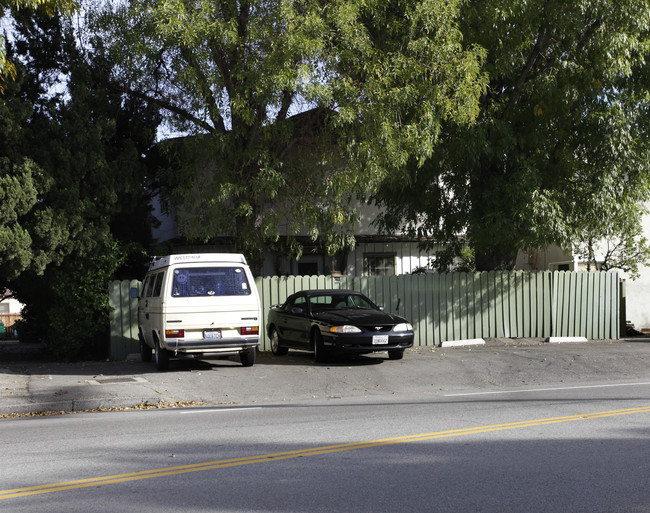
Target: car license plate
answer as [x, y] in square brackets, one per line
[379, 340]
[212, 335]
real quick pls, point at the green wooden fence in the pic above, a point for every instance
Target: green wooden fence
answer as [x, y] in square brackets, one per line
[444, 307]
[124, 319]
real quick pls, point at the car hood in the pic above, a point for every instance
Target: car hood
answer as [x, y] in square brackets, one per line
[356, 316]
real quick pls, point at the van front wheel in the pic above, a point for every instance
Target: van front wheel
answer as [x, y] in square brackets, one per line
[247, 357]
[162, 357]
[145, 351]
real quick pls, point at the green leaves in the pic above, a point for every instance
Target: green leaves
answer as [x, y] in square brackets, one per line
[564, 117]
[18, 195]
[307, 104]
[72, 194]
[50, 7]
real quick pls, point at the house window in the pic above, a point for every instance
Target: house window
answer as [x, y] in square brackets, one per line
[307, 268]
[308, 265]
[379, 264]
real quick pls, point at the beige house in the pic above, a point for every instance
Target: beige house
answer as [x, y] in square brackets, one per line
[374, 254]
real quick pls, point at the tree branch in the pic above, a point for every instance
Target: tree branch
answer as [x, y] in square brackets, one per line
[541, 47]
[287, 98]
[164, 104]
[206, 91]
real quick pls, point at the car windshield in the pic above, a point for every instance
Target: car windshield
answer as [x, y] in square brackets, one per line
[210, 281]
[325, 302]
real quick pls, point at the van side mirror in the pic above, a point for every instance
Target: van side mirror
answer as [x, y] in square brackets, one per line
[134, 293]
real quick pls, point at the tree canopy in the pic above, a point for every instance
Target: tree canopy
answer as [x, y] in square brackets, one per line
[559, 153]
[296, 106]
[50, 7]
[71, 181]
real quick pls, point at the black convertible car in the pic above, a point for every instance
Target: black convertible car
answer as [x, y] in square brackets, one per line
[341, 321]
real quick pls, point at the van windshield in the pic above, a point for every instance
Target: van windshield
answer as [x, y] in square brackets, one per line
[210, 281]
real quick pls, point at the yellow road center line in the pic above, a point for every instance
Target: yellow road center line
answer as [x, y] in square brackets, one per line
[314, 451]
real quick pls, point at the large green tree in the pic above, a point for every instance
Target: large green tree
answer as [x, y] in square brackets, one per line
[560, 151]
[294, 106]
[73, 166]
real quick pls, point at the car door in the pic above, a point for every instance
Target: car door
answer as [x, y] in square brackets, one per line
[295, 323]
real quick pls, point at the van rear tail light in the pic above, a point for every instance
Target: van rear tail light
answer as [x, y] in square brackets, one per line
[252, 330]
[174, 333]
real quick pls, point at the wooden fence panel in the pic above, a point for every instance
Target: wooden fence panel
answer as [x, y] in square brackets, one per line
[442, 307]
[124, 319]
[9, 319]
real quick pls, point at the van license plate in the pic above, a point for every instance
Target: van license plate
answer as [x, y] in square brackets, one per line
[379, 340]
[212, 335]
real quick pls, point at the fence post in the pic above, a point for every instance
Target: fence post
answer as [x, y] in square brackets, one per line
[623, 311]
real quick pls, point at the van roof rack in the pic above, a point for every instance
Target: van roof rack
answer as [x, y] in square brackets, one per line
[158, 262]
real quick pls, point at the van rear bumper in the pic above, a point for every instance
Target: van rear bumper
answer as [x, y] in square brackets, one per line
[183, 346]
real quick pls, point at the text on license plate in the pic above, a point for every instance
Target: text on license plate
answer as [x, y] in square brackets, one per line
[212, 335]
[379, 339]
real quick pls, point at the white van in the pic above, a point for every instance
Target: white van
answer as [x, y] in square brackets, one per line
[202, 304]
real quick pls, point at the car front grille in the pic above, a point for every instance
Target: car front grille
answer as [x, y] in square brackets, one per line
[377, 329]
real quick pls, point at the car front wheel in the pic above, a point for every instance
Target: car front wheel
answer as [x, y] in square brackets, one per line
[396, 354]
[319, 349]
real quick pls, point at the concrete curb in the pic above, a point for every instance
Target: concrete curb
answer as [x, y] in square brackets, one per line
[75, 405]
[562, 340]
[467, 342]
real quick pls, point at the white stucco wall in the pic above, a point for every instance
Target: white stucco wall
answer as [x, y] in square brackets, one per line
[638, 292]
[543, 259]
[638, 301]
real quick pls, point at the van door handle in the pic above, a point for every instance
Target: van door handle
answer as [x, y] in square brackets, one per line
[146, 316]
[146, 303]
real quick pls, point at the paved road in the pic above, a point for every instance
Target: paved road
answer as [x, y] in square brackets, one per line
[578, 448]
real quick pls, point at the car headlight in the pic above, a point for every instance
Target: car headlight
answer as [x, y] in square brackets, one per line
[405, 326]
[345, 329]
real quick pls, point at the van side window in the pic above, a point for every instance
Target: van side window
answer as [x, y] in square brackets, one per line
[148, 285]
[158, 285]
